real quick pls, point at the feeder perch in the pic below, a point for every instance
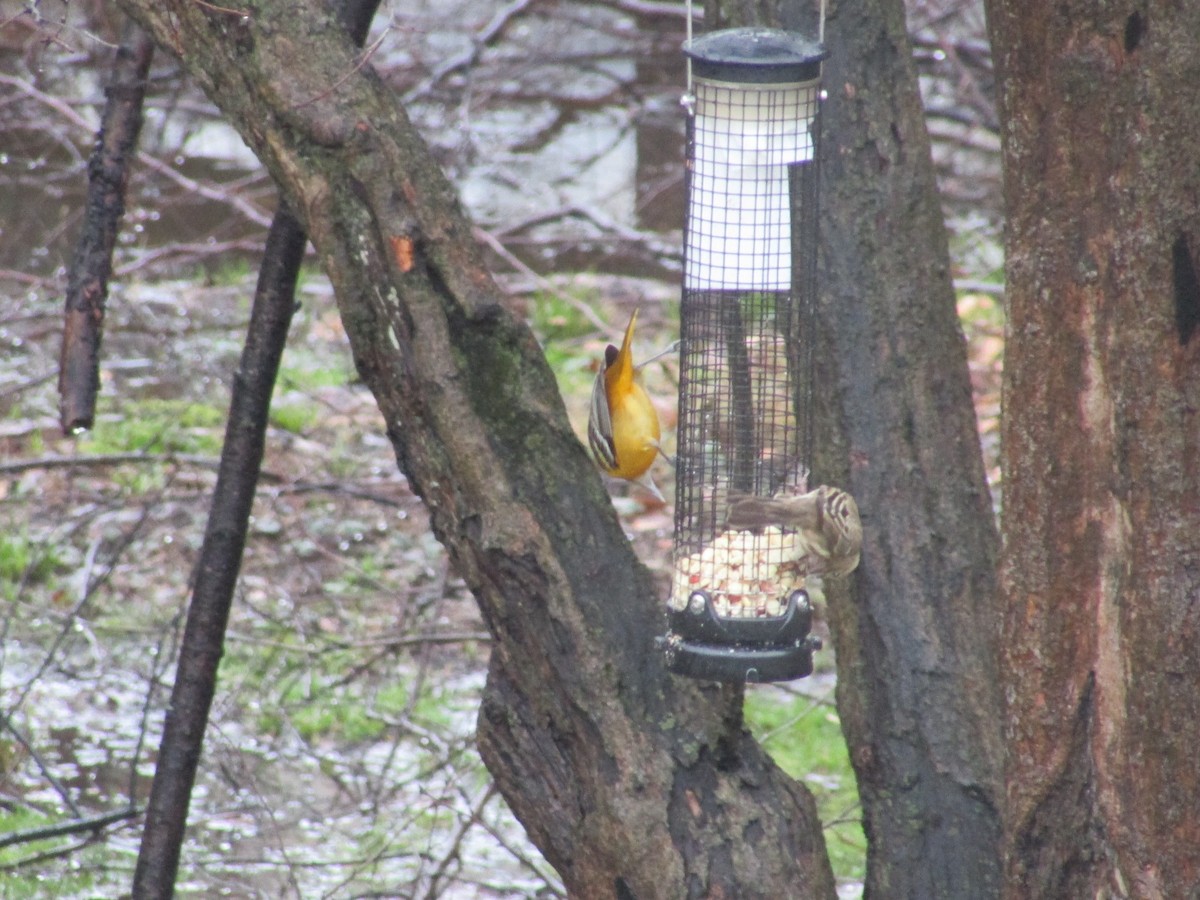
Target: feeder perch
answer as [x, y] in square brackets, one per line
[740, 606]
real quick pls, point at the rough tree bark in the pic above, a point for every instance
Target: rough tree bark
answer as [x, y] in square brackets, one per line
[916, 635]
[633, 783]
[1101, 570]
[918, 688]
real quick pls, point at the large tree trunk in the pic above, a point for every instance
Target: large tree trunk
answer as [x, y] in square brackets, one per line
[917, 640]
[632, 782]
[1101, 437]
[917, 632]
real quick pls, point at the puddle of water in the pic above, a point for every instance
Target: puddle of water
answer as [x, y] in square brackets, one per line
[568, 110]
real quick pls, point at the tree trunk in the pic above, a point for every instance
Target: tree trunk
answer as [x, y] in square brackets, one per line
[1101, 438]
[917, 634]
[633, 783]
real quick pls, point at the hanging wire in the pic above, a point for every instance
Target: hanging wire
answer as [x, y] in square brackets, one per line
[689, 44]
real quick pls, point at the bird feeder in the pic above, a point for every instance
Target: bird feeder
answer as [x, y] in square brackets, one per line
[740, 607]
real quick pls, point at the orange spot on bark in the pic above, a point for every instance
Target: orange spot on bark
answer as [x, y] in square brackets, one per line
[402, 251]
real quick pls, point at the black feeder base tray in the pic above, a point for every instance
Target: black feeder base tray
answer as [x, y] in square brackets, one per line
[702, 644]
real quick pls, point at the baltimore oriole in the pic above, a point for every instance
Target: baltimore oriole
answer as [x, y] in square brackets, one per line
[623, 430]
[827, 518]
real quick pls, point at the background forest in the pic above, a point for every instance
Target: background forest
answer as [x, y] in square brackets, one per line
[340, 760]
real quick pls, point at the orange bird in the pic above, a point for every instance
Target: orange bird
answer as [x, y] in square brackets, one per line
[623, 428]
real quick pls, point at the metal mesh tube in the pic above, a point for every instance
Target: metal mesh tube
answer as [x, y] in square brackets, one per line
[746, 338]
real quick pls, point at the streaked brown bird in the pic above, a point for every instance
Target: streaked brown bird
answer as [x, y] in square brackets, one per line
[826, 518]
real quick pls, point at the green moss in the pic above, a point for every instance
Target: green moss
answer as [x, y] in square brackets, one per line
[296, 417]
[329, 715]
[312, 695]
[561, 327]
[158, 426]
[758, 308]
[24, 560]
[559, 317]
[227, 270]
[37, 443]
[309, 375]
[492, 358]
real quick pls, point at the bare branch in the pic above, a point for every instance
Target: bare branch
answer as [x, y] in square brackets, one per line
[486, 35]
[75, 826]
[91, 264]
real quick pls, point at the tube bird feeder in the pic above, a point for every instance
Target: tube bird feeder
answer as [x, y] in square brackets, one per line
[740, 607]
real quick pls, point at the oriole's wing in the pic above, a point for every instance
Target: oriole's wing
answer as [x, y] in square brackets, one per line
[600, 438]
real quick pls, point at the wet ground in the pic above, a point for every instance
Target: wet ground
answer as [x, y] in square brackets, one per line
[340, 759]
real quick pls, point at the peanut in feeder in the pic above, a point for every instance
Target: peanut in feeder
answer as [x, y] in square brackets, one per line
[752, 542]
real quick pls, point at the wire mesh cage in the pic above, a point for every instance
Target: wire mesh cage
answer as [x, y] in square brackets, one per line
[740, 605]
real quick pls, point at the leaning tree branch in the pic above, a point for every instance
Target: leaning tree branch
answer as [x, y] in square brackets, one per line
[225, 539]
[87, 282]
[631, 782]
[220, 561]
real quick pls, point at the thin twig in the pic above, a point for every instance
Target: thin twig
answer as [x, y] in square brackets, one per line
[482, 39]
[283, 485]
[222, 9]
[159, 662]
[455, 848]
[27, 385]
[205, 190]
[390, 642]
[60, 788]
[75, 826]
[25, 278]
[584, 309]
[101, 460]
[65, 851]
[363, 58]
[975, 286]
[795, 720]
[187, 252]
[550, 889]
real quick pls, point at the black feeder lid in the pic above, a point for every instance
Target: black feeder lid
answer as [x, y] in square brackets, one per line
[755, 56]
